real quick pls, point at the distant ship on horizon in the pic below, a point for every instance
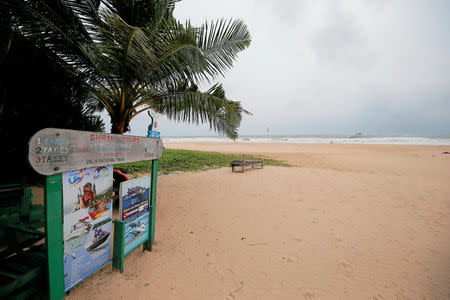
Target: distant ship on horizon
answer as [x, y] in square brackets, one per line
[356, 135]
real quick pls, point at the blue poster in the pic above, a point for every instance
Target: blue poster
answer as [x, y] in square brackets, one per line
[134, 211]
[87, 209]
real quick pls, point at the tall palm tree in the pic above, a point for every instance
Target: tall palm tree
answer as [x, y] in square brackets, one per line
[154, 63]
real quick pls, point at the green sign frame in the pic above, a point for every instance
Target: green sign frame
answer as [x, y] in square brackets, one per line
[53, 192]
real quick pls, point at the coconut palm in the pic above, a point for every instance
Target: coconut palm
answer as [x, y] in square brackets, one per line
[154, 64]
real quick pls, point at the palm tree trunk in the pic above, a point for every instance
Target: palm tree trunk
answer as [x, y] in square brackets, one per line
[117, 130]
[119, 127]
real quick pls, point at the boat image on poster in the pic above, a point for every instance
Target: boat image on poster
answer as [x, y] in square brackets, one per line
[100, 237]
[78, 228]
[136, 191]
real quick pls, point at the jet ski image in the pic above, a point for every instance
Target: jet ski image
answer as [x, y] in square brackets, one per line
[100, 237]
[137, 228]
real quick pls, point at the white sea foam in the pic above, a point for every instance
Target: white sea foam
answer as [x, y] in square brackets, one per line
[389, 140]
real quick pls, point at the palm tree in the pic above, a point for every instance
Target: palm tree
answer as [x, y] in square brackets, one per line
[152, 62]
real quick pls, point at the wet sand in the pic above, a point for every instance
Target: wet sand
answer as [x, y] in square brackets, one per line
[348, 222]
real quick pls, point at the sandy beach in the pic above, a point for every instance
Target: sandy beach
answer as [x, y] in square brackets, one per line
[347, 222]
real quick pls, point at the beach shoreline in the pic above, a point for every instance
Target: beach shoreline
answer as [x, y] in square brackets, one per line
[347, 222]
[342, 157]
[413, 140]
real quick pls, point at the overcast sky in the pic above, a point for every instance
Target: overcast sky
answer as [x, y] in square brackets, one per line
[333, 67]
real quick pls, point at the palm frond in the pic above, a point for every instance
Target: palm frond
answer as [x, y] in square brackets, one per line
[223, 116]
[56, 26]
[220, 42]
[177, 56]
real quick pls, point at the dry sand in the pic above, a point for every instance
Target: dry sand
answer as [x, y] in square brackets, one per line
[351, 222]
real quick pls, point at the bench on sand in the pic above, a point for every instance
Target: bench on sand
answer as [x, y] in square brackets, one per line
[242, 163]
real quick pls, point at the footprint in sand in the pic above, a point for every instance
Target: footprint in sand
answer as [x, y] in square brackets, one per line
[307, 294]
[338, 240]
[346, 268]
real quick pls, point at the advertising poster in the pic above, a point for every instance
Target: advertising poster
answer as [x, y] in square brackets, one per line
[134, 211]
[87, 209]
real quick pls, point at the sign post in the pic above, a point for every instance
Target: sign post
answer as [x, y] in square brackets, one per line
[119, 245]
[54, 235]
[149, 244]
[54, 151]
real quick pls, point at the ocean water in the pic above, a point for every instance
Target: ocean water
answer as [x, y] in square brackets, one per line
[321, 139]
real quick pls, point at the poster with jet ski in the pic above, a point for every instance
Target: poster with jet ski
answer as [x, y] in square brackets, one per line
[134, 211]
[87, 208]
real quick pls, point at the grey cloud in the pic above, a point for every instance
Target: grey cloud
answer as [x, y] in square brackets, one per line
[341, 40]
[288, 12]
[324, 67]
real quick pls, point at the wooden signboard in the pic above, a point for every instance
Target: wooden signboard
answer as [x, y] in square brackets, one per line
[53, 151]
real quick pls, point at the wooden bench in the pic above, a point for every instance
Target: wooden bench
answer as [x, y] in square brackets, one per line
[242, 163]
